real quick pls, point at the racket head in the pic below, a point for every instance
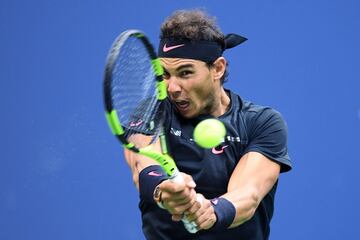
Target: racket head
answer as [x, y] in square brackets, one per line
[134, 94]
[133, 87]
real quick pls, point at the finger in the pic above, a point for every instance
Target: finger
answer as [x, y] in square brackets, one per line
[195, 214]
[169, 186]
[188, 180]
[202, 219]
[201, 214]
[195, 210]
[208, 218]
[174, 200]
[190, 203]
[180, 209]
[196, 204]
[176, 217]
[207, 223]
[185, 196]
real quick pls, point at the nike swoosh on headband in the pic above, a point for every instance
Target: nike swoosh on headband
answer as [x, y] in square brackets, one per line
[166, 48]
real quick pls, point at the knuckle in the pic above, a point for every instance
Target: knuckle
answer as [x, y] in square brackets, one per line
[199, 222]
[178, 210]
[190, 217]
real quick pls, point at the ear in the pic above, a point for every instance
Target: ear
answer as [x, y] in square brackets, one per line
[219, 68]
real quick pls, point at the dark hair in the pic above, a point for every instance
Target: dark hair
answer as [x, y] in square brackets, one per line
[195, 25]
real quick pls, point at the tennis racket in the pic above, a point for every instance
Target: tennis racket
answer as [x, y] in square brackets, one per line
[134, 92]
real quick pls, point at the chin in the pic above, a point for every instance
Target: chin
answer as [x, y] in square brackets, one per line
[187, 114]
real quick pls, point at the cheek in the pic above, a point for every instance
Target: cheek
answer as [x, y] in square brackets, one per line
[201, 93]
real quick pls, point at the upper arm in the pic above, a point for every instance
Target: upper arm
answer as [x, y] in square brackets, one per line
[260, 165]
[268, 136]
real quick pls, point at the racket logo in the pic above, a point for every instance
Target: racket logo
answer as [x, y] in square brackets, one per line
[136, 124]
[167, 49]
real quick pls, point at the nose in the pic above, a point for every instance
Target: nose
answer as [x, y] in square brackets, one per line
[173, 87]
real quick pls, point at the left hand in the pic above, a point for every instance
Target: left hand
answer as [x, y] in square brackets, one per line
[204, 216]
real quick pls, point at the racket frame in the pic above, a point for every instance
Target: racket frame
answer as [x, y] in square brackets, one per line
[163, 158]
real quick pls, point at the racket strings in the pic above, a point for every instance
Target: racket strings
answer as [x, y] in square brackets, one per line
[134, 90]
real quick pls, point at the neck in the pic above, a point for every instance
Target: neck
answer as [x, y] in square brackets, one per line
[223, 103]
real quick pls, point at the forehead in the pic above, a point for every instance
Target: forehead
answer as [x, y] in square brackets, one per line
[175, 63]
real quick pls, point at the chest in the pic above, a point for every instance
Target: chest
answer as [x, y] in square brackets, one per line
[211, 168]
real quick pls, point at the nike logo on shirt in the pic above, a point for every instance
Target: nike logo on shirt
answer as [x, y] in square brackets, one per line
[220, 151]
[167, 49]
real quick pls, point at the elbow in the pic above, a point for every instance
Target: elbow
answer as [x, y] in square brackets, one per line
[136, 181]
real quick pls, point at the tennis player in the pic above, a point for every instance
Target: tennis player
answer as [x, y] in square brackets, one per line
[229, 190]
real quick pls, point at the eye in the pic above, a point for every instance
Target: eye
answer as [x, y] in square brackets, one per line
[166, 75]
[185, 73]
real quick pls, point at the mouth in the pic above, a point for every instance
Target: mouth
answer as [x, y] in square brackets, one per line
[182, 105]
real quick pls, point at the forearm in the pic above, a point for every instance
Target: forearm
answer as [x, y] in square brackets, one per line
[137, 163]
[245, 202]
[252, 179]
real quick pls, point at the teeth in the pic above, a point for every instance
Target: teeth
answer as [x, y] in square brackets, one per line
[182, 104]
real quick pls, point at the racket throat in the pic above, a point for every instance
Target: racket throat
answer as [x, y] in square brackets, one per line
[165, 161]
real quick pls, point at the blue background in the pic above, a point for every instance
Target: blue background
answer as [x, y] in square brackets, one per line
[62, 174]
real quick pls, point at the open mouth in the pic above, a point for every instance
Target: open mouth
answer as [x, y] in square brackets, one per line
[182, 105]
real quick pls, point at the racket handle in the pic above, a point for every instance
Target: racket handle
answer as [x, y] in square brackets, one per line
[191, 227]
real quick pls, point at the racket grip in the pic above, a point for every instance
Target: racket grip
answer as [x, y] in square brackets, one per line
[191, 227]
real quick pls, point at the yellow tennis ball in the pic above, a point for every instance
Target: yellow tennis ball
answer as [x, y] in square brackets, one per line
[209, 133]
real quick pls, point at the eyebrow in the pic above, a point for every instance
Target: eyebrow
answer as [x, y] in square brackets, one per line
[189, 65]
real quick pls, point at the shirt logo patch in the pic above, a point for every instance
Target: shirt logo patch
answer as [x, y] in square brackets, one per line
[175, 132]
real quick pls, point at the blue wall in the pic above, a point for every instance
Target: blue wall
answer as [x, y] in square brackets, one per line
[62, 174]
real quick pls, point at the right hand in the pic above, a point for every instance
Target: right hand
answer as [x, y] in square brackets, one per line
[204, 217]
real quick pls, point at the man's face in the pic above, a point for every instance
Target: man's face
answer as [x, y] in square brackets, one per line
[190, 85]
